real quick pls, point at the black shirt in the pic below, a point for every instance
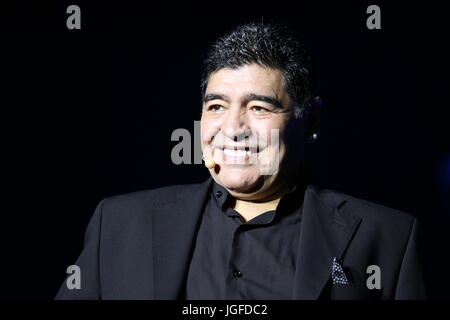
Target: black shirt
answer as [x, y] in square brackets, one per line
[234, 259]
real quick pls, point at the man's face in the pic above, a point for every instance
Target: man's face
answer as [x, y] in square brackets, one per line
[244, 110]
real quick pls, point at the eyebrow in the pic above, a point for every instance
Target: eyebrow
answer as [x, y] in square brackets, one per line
[215, 96]
[251, 96]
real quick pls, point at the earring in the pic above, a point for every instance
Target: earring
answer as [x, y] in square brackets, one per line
[313, 138]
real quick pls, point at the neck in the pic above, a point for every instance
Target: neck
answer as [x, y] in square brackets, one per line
[250, 210]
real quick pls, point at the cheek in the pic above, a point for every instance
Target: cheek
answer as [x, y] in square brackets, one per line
[207, 131]
[270, 133]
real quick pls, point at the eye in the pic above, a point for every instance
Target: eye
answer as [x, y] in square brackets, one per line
[259, 109]
[215, 107]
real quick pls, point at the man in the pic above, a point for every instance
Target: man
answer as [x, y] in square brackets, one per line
[254, 230]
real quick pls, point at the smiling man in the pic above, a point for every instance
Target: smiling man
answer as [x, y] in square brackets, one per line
[255, 229]
[244, 110]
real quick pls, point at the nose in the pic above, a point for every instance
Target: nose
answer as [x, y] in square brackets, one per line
[235, 124]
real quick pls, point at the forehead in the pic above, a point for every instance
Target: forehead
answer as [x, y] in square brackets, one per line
[248, 78]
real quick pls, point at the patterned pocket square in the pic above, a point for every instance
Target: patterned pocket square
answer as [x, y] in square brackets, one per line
[337, 273]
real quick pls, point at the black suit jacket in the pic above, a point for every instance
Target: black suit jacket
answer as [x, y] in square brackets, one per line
[139, 245]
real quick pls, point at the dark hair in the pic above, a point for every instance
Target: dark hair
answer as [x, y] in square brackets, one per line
[270, 46]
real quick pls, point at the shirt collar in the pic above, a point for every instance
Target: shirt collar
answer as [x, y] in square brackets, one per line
[288, 203]
[221, 195]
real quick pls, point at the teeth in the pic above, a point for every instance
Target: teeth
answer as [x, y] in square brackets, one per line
[236, 153]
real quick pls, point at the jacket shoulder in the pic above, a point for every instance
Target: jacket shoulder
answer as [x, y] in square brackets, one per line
[141, 203]
[161, 194]
[361, 207]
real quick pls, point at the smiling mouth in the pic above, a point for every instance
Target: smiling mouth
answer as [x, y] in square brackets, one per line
[242, 154]
[236, 153]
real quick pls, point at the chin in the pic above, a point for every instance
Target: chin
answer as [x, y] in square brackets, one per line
[238, 180]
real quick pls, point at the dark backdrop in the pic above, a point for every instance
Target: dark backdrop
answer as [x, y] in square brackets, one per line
[88, 114]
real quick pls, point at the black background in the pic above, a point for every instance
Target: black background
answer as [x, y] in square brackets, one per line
[89, 113]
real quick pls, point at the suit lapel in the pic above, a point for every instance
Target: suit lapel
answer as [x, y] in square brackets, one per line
[174, 230]
[325, 234]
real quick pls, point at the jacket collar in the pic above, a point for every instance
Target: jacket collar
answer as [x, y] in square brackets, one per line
[326, 231]
[174, 231]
